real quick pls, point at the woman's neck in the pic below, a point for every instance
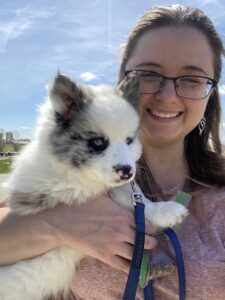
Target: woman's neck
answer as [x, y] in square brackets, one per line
[168, 165]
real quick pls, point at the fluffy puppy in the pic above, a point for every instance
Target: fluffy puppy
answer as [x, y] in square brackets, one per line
[86, 142]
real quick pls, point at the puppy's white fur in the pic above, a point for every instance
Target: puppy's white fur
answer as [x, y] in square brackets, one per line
[64, 164]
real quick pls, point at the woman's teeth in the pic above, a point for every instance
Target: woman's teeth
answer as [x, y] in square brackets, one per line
[164, 115]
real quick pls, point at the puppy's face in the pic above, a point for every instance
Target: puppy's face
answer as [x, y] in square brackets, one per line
[96, 130]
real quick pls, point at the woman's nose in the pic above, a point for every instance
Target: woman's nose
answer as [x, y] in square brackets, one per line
[167, 90]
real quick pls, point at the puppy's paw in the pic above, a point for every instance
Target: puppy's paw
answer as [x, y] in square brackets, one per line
[166, 214]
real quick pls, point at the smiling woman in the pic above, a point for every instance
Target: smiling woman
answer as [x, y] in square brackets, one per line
[166, 113]
[177, 54]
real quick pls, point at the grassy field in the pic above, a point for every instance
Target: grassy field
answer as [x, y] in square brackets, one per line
[12, 147]
[5, 163]
[5, 166]
[8, 148]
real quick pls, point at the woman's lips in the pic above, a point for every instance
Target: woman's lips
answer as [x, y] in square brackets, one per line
[166, 116]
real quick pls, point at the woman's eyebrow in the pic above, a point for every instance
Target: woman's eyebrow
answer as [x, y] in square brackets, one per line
[148, 64]
[194, 68]
[157, 65]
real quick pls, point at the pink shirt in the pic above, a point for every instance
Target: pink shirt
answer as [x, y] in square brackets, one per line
[202, 236]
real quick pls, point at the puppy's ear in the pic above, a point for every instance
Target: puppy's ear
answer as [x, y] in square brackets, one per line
[129, 88]
[65, 95]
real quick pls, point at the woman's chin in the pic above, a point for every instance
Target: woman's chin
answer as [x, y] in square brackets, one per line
[160, 138]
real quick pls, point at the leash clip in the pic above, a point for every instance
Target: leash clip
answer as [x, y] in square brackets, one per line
[136, 194]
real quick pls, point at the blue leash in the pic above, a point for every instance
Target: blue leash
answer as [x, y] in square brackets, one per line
[180, 261]
[148, 290]
[135, 267]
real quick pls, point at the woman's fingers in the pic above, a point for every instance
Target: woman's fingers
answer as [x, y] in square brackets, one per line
[150, 228]
[102, 229]
[122, 259]
[150, 242]
[120, 263]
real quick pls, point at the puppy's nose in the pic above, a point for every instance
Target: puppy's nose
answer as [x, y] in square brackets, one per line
[124, 171]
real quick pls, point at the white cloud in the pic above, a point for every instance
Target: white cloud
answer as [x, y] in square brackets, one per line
[88, 76]
[25, 132]
[35, 13]
[13, 29]
[222, 132]
[25, 127]
[222, 89]
[21, 22]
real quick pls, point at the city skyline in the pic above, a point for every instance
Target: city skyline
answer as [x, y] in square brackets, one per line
[10, 135]
[80, 38]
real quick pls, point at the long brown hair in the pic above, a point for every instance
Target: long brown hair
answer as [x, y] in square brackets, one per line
[203, 153]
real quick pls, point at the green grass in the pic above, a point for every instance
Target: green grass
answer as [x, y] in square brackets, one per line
[8, 148]
[5, 166]
[12, 147]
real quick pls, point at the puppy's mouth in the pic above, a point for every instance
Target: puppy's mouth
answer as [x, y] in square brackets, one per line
[121, 181]
[164, 115]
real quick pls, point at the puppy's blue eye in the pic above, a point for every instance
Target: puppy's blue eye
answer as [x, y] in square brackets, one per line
[129, 140]
[97, 144]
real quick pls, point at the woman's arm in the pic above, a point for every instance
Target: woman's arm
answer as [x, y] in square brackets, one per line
[100, 228]
[23, 237]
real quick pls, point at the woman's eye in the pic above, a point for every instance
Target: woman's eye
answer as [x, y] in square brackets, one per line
[129, 140]
[97, 144]
[190, 80]
[149, 76]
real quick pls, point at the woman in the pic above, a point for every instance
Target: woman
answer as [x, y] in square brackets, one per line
[177, 54]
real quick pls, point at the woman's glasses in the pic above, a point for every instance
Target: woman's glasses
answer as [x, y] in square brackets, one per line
[189, 87]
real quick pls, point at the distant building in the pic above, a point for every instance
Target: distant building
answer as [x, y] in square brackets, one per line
[9, 137]
[1, 137]
[23, 141]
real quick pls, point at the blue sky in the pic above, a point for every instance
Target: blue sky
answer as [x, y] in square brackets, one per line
[81, 38]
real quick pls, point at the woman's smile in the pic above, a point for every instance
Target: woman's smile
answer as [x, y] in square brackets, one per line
[163, 116]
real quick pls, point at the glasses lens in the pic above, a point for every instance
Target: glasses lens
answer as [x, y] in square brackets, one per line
[190, 87]
[193, 87]
[149, 82]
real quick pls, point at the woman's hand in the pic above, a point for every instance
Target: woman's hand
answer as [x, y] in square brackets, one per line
[100, 228]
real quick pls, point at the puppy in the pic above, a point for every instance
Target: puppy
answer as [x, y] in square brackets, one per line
[86, 142]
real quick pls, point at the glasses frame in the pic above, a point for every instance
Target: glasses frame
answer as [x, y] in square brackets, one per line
[174, 79]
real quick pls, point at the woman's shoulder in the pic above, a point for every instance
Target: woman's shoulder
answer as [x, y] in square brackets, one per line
[216, 194]
[209, 203]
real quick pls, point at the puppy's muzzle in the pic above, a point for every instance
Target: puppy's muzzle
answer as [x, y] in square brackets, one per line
[125, 172]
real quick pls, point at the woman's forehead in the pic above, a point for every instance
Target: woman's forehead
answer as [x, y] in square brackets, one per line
[173, 49]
